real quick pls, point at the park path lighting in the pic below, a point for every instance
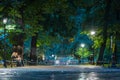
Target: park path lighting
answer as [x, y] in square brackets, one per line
[92, 33]
[92, 55]
[82, 45]
[4, 56]
[4, 20]
[112, 46]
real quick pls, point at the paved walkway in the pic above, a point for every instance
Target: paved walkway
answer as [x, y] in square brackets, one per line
[75, 68]
[65, 72]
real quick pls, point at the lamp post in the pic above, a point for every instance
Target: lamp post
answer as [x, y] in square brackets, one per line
[113, 46]
[93, 55]
[4, 56]
[82, 45]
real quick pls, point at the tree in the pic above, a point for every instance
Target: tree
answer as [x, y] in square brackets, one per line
[49, 18]
[13, 10]
[99, 11]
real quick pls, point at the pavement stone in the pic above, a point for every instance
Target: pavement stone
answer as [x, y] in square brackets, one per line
[62, 72]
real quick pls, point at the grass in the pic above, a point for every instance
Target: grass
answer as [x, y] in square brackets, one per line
[110, 65]
[8, 66]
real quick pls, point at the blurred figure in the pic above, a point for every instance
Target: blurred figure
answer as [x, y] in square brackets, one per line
[17, 55]
[14, 54]
[20, 53]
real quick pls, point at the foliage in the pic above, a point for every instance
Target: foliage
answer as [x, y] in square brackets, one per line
[8, 51]
[96, 38]
[51, 18]
[83, 52]
[64, 22]
[46, 40]
[33, 17]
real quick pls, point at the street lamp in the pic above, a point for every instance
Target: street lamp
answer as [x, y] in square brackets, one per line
[92, 56]
[92, 32]
[4, 56]
[4, 20]
[113, 57]
[82, 45]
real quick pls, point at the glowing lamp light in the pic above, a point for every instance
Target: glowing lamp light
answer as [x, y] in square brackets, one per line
[82, 45]
[92, 32]
[4, 20]
[57, 62]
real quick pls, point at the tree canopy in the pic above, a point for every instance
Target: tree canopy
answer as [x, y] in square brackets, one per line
[51, 21]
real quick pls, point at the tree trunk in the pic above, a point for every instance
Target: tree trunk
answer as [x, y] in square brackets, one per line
[33, 56]
[106, 18]
[20, 36]
[21, 23]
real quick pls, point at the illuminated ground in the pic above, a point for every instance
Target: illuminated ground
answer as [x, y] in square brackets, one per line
[59, 73]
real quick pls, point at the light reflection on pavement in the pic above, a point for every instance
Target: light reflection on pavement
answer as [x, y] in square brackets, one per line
[59, 73]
